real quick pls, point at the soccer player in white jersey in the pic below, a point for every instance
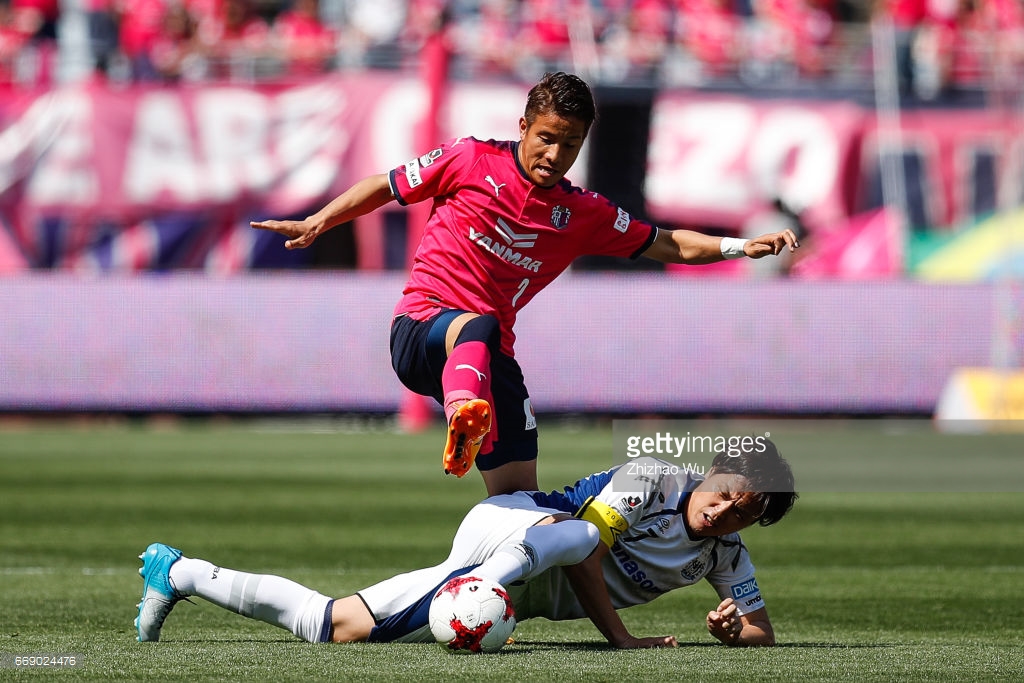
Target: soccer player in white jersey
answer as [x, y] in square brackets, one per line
[504, 223]
[615, 539]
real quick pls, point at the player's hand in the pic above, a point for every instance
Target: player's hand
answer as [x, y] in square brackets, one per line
[631, 643]
[771, 244]
[300, 234]
[724, 623]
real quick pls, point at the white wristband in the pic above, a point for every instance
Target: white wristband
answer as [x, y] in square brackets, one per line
[732, 247]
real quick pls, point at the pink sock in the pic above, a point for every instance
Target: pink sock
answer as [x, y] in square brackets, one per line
[467, 375]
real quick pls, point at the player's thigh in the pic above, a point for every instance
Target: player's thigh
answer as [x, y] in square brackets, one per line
[493, 523]
[418, 350]
[515, 424]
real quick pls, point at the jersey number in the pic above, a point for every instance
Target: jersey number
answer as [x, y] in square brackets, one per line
[522, 288]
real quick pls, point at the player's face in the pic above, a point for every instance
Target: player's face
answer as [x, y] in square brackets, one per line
[721, 505]
[549, 147]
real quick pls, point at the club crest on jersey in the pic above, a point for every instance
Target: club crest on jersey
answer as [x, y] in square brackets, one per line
[560, 217]
[694, 569]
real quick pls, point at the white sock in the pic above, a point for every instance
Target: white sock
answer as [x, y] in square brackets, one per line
[272, 599]
[549, 545]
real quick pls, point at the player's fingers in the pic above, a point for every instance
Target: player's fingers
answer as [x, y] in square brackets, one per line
[791, 239]
[274, 226]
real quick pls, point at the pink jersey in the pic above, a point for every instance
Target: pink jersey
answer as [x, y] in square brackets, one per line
[494, 239]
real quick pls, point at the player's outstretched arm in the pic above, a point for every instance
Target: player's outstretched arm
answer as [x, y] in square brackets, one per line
[587, 582]
[737, 630]
[695, 248]
[368, 194]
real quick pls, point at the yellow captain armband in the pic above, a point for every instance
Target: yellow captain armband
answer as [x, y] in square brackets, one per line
[608, 521]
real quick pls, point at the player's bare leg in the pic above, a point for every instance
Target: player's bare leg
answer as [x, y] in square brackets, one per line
[351, 621]
[511, 477]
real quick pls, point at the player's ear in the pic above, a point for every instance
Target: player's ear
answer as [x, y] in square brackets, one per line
[523, 127]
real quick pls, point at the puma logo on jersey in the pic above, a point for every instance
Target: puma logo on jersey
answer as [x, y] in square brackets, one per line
[496, 186]
[466, 366]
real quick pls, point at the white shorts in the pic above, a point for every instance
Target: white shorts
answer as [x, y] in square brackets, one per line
[399, 604]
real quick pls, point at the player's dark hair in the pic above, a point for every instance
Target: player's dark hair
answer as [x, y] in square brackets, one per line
[768, 474]
[564, 95]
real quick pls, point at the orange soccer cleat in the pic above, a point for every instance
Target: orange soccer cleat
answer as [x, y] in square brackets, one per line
[466, 430]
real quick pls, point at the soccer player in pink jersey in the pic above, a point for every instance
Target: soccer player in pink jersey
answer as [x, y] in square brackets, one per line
[504, 223]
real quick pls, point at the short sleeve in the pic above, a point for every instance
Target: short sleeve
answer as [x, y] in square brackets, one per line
[436, 173]
[733, 575]
[616, 233]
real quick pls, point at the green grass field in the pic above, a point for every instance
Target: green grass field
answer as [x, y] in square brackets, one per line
[860, 586]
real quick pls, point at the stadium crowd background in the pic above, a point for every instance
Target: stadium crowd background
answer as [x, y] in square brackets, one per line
[944, 46]
[140, 137]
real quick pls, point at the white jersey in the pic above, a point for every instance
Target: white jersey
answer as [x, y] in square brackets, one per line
[654, 555]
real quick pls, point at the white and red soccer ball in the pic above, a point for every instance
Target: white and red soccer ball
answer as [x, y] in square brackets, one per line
[471, 614]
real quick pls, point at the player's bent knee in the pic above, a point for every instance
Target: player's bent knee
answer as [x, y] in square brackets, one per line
[482, 328]
[561, 544]
[585, 536]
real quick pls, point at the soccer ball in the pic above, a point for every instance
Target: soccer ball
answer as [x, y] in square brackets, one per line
[471, 614]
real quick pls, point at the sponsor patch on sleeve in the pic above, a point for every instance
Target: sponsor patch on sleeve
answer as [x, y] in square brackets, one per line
[622, 221]
[428, 158]
[412, 173]
[747, 596]
[742, 590]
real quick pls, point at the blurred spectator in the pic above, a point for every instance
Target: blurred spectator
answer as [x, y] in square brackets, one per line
[987, 44]
[174, 53]
[35, 62]
[12, 39]
[544, 34]
[234, 39]
[38, 18]
[374, 30]
[906, 16]
[936, 43]
[141, 23]
[708, 30]
[204, 11]
[423, 20]
[807, 27]
[649, 30]
[1006, 19]
[102, 27]
[488, 37]
[305, 43]
[791, 36]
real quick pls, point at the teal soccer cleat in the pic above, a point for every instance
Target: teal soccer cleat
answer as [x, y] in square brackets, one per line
[158, 596]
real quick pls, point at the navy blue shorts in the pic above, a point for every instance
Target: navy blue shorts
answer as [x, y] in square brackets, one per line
[418, 357]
